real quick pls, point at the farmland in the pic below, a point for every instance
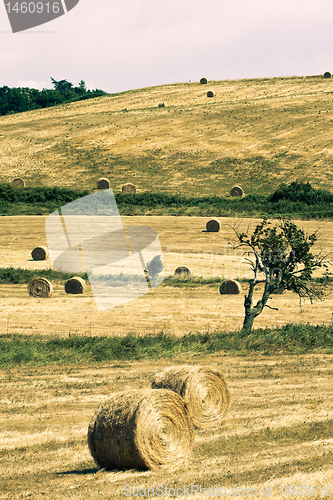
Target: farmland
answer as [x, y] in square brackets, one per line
[278, 430]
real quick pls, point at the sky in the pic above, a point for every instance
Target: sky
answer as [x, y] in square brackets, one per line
[128, 44]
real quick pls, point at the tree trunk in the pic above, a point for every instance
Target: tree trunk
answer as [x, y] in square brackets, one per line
[252, 312]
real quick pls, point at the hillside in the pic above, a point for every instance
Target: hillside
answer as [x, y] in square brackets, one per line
[256, 133]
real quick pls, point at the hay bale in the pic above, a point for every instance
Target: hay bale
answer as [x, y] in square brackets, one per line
[40, 253]
[40, 287]
[18, 182]
[128, 188]
[327, 74]
[203, 81]
[230, 287]
[75, 285]
[204, 391]
[183, 272]
[161, 104]
[141, 429]
[236, 191]
[213, 226]
[210, 93]
[103, 183]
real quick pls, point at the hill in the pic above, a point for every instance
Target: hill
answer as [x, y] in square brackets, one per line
[257, 133]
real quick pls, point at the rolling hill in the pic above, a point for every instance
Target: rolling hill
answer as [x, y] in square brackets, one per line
[256, 133]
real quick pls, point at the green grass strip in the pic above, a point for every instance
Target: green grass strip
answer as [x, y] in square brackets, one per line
[21, 350]
[295, 199]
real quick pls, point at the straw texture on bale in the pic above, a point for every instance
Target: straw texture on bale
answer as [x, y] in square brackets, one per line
[103, 183]
[141, 429]
[327, 74]
[183, 271]
[213, 226]
[161, 104]
[75, 285]
[236, 191]
[40, 253]
[230, 287]
[18, 182]
[40, 287]
[128, 188]
[204, 391]
[203, 81]
[210, 93]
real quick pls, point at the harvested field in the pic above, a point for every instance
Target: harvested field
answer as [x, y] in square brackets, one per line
[277, 431]
[176, 310]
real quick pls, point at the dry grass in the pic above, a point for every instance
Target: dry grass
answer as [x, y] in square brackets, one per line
[176, 310]
[284, 120]
[277, 432]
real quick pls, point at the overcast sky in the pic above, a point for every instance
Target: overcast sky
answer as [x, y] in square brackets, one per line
[126, 44]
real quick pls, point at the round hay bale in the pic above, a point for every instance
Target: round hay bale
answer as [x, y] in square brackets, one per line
[75, 285]
[161, 104]
[204, 391]
[128, 188]
[141, 429]
[40, 253]
[103, 183]
[230, 287]
[183, 272]
[327, 74]
[18, 182]
[40, 287]
[236, 191]
[213, 226]
[210, 93]
[203, 81]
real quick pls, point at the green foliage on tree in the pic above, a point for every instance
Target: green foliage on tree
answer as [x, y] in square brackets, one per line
[17, 100]
[280, 257]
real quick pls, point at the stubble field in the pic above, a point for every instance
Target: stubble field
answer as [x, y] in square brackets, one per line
[185, 242]
[278, 431]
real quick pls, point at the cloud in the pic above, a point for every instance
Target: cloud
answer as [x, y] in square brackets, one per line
[32, 84]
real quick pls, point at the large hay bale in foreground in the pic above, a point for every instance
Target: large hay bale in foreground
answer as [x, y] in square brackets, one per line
[18, 182]
[213, 226]
[204, 391]
[210, 93]
[203, 81]
[230, 287]
[128, 188]
[183, 272]
[236, 191]
[327, 74]
[141, 429]
[103, 183]
[40, 287]
[75, 285]
[40, 253]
